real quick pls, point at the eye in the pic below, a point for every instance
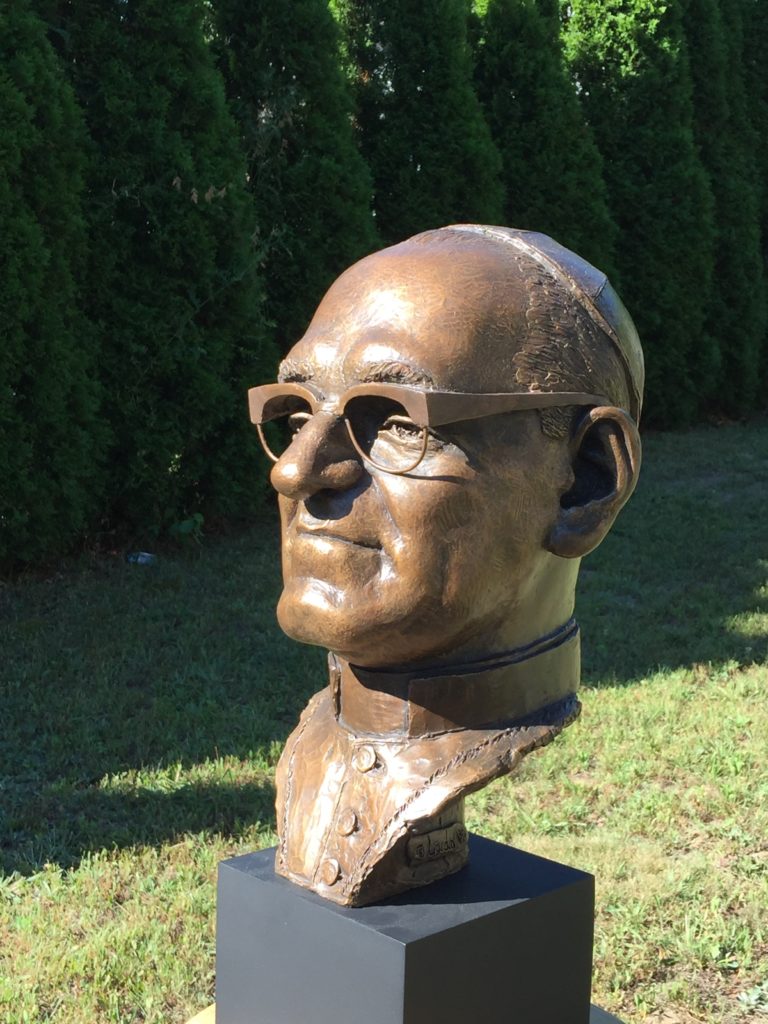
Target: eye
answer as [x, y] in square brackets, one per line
[385, 434]
[297, 420]
[401, 427]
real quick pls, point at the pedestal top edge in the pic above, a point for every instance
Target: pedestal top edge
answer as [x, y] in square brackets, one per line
[597, 1016]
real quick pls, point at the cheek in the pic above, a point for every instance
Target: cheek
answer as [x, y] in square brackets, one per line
[427, 518]
[472, 554]
[492, 540]
[287, 512]
[453, 517]
[440, 527]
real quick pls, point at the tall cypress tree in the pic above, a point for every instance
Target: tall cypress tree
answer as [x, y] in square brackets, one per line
[311, 187]
[423, 132]
[630, 61]
[553, 173]
[49, 439]
[173, 285]
[756, 87]
[736, 300]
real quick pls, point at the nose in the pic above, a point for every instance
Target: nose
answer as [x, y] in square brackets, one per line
[320, 457]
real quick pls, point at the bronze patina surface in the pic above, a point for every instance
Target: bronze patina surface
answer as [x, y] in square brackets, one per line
[455, 430]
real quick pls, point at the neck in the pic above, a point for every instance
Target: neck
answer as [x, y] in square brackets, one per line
[495, 691]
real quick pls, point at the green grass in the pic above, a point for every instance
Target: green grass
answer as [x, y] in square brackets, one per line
[142, 711]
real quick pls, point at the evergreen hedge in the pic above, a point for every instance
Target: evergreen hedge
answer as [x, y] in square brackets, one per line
[631, 65]
[50, 439]
[553, 172]
[151, 239]
[173, 286]
[422, 128]
[737, 315]
[735, 321]
[756, 88]
[311, 188]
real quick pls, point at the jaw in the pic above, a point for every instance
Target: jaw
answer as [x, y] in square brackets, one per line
[375, 621]
[374, 625]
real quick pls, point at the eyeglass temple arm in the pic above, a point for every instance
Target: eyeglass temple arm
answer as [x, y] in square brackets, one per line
[449, 407]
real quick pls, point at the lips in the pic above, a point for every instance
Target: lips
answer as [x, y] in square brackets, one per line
[338, 536]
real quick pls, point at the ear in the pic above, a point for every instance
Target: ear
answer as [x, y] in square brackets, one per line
[605, 458]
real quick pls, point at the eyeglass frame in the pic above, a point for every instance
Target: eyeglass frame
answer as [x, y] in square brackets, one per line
[425, 408]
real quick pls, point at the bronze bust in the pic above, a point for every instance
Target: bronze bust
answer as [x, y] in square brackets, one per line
[455, 430]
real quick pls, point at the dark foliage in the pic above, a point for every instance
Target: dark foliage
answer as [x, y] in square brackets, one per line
[160, 229]
[735, 322]
[311, 188]
[172, 288]
[755, 65]
[631, 66]
[423, 132]
[50, 443]
[553, 173]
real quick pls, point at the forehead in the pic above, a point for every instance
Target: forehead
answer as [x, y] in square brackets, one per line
[452, 318]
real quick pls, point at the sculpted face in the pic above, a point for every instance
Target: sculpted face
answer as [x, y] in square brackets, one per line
[451, 558]
[425, 535]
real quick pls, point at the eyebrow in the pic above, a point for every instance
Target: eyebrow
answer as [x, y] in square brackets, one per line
[394, 372]
[291, 371]
[387, 372]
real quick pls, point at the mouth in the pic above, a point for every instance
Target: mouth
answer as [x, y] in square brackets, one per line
[324, 537]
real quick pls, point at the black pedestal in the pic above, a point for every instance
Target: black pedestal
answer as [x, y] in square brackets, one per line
[507, 940]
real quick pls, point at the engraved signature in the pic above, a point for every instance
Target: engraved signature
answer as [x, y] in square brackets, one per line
[440, 843]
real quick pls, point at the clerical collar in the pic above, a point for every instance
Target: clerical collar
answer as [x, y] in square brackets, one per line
[497, 691]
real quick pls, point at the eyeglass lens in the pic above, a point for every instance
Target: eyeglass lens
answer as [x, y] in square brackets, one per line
[381, 430]
[385, 434]
[283, 418]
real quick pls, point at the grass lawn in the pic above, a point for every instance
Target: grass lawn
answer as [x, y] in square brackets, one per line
[142, 711]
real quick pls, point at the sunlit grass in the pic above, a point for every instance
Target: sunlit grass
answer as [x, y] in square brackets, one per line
[143, 710]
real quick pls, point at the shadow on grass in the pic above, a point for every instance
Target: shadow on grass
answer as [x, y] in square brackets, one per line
[179, 673]
[60, 825]
[139, 704]
[682, 579]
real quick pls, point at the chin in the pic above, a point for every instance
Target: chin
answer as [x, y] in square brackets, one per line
[344, 622]
[366, 632]
[305, 613]
[314, 612]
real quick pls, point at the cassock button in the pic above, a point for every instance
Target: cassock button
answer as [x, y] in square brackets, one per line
[347, 822]
[330, 871]
[364, 758]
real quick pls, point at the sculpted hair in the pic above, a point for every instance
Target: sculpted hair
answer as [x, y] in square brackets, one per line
[564, 349]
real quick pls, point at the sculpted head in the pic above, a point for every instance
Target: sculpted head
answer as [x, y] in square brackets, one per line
[476, 549]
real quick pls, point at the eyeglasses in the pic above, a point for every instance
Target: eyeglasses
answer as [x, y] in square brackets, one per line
[388, 424]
